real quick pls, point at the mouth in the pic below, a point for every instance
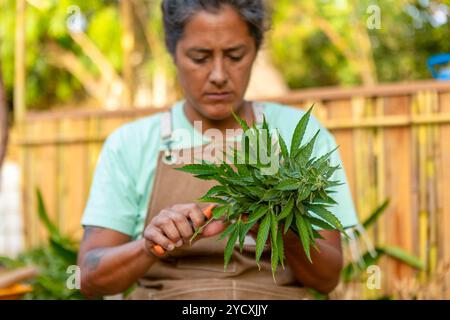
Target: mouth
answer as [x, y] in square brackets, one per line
[219, 96]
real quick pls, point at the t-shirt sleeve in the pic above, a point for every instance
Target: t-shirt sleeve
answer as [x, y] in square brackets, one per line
[344, 210]
[112, 202]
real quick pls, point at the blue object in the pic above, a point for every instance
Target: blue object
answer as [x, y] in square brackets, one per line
[435, 62]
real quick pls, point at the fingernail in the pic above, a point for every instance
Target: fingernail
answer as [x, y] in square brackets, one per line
[179, 243]
[171, 247]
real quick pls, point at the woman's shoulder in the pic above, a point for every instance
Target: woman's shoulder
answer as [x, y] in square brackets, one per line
[136, 133]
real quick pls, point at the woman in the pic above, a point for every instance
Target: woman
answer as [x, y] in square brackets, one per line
[214, 45]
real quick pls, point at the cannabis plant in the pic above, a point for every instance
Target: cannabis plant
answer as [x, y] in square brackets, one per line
[295, 196]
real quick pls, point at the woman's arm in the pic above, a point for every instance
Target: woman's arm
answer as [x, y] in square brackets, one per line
[110, 263]
[323, 274]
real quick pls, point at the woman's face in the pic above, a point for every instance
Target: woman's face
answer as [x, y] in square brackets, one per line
[214, 59]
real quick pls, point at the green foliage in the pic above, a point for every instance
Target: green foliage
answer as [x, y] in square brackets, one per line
[52, 262]
[47, 84]
[307, 57]
[296, 195]
[300, 48]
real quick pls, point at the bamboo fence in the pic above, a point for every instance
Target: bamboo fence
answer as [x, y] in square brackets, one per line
[394, 141]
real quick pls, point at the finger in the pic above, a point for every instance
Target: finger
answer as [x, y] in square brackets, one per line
[170, 230]
[182, 224]
[213, 229]
[193, 212]
[196, 215]
[157, 237]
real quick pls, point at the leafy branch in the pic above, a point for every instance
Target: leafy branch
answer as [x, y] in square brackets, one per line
[295, 197]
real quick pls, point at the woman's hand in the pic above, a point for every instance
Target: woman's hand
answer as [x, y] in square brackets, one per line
[173, 227]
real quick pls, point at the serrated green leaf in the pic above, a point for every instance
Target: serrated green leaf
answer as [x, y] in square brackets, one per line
[199, 169]
[207, 177]
[227, 170]
[326, 215]
[283, 147]
[320, 223]
[331, 184]
[244, 230]
[303, 234]
[280, 247]
[287, 209]
[288, 185]
[227, 231]
[229, 248]
[273, 238]
[331, 171]
[261, 239]
[257, 191]
[273, 227]
[300, 130]
[243, 170]
[242, 122]
[288, 222]
[324, 198]
[324, 158]
[317, 235]
[271, 195]
[217, 190]
[219, 212]
[212, 200]
[274, 257]
[305, 152]
[303, 192]
[240, 181]
[265, 125]
[258, 214]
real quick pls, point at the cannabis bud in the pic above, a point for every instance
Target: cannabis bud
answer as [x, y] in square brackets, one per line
[295, 197]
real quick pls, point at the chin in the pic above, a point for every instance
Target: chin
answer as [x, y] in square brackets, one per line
[217, 111]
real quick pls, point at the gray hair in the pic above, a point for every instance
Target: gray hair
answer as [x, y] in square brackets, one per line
[176, 14]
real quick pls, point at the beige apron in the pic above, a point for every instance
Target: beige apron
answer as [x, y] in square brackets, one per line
[197, 272]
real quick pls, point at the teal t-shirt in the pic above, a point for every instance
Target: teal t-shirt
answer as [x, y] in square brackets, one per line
[125, 172]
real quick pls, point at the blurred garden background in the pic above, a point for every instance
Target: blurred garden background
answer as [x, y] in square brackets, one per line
[73, 71]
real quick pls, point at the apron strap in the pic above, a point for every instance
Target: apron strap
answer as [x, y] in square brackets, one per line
[166, 135]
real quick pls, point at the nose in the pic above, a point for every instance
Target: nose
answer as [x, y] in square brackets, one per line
[218, 75]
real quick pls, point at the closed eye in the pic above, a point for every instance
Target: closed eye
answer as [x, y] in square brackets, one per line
[199, 60]
[236, 58]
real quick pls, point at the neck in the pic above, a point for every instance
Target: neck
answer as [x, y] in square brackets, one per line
[244, 111]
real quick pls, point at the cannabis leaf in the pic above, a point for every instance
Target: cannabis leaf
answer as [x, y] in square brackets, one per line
[297, 197]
